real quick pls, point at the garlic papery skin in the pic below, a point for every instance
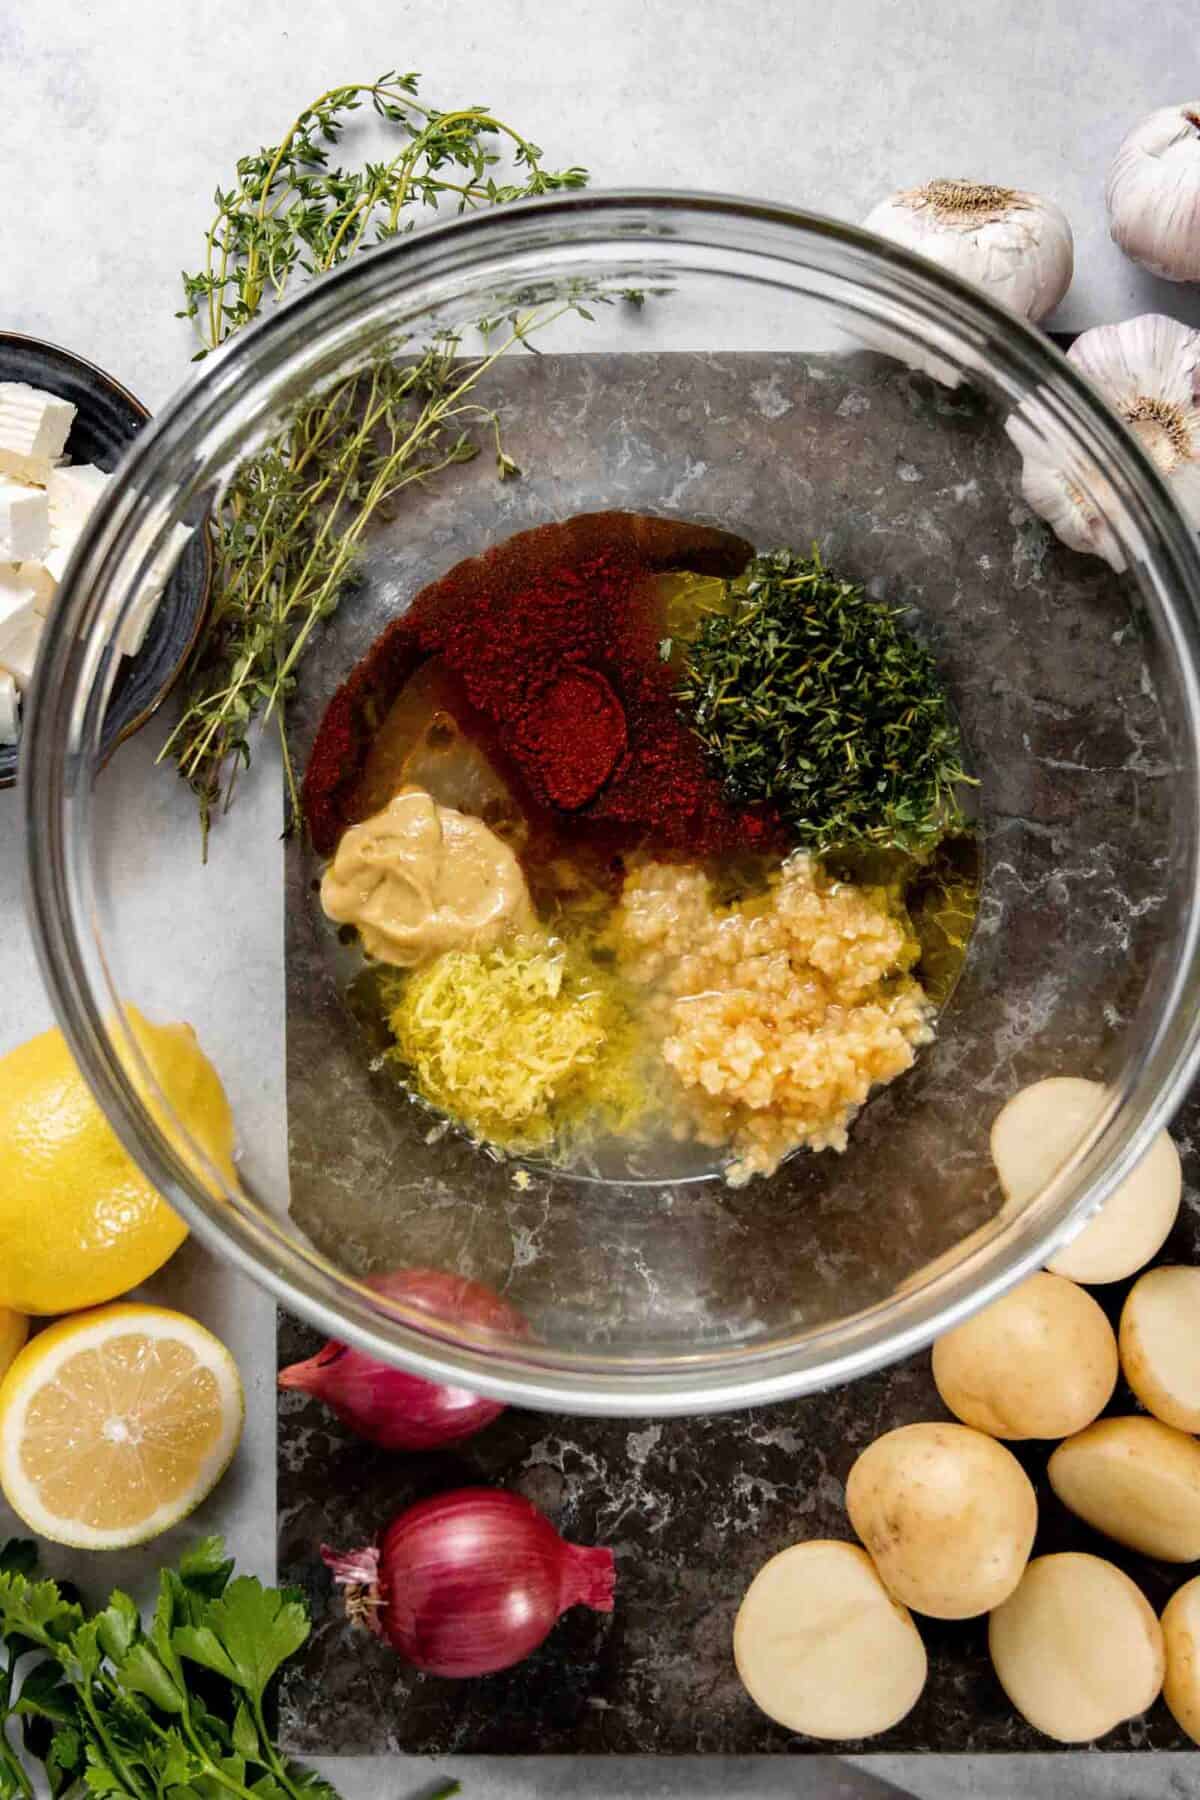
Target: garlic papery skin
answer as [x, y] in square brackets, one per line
[1148, 370]
[1153, 193]
[1016, 246]
[1063, 488]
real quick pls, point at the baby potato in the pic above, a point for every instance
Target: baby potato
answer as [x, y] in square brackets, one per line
[1137, 1481]
[1033, 1135]
[1077, 1647]
[947, 1515]
[1040, 1362]
[14, 1329]
[822, 1647]
[1160, 1344]
[1181, 1640]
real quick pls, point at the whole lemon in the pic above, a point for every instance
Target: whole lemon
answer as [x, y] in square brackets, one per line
[79, 1222]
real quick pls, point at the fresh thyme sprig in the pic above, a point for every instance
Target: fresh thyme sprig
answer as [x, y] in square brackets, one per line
[288, 530]
[290, 210]
[289, 533]
[812, 697]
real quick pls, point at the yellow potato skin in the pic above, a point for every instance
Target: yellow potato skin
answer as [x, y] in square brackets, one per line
[947, 1514]
[1040, 1362]
[1181, 1639]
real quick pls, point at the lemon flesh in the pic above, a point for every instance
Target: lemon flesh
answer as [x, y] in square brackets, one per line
[115, 1424]
[79, 1222]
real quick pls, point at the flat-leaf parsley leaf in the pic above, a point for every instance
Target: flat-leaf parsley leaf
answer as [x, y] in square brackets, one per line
[111, 1706]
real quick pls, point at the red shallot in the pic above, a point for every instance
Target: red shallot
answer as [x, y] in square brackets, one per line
[385, 1405]
[470, 1582]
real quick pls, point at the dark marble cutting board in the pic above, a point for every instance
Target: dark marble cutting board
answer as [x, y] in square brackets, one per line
[692, 1508]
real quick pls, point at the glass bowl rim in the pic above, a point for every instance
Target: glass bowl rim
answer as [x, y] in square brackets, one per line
[56, 791]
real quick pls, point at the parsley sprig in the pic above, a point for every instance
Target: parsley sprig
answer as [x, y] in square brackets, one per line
[169, 1710]
[287, 532]
[809, 695]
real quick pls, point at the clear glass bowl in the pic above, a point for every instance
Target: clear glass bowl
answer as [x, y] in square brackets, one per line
[738, 393]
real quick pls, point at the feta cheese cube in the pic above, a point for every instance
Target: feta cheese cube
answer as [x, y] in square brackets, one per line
[20, 627]
[71, 494]
[43, 578]
[55, 561]
[33, 430]
[135, 626]
[19, 648]
[169, 555]
[17, 597]
[24, 521]
[10, 712]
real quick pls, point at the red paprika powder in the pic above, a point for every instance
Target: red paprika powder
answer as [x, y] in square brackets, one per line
[578, 710]
[553, 639]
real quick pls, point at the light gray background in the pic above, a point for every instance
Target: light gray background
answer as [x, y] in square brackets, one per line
[119, 118]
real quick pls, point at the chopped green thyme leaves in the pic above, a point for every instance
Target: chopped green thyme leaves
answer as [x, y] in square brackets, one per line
[812, 697]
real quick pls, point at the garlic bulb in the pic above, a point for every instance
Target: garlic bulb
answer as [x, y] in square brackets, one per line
[1153, 193]
[1148, 369]
[1016, 245]
[1058, 484]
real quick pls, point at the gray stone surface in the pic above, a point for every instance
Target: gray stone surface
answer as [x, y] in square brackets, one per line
[1071, 1776]
[121, 118]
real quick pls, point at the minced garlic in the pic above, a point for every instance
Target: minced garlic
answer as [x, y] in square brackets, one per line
[778, 1015]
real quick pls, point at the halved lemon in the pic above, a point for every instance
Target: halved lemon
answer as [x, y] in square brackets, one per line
[114, 1424]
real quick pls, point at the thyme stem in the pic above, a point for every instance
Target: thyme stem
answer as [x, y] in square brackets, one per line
[287, 531]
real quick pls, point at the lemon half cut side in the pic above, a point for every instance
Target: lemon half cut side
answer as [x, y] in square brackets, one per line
[115, 1424]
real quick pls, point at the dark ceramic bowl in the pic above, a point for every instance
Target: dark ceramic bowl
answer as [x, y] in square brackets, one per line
[107, 419]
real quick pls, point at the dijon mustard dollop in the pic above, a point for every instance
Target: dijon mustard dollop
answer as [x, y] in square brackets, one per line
[418, 879]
